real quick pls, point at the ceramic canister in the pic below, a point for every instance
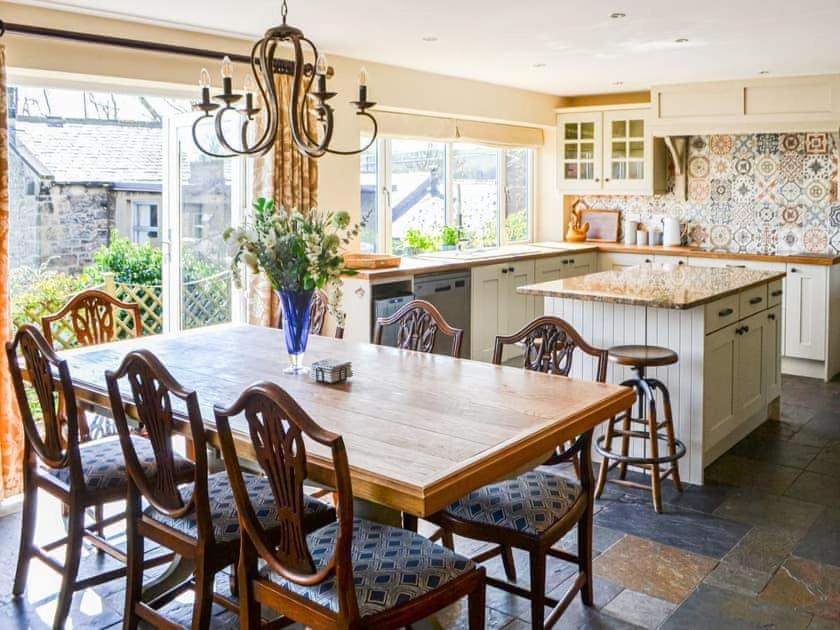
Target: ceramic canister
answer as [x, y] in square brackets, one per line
[630, 228]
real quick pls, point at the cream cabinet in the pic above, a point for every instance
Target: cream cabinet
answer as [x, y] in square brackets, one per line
[805, 299]
[607, 261]
[496, 307]
[750, 370]
[720, 367]
[772, 354]
[559, 267]
[609, 151]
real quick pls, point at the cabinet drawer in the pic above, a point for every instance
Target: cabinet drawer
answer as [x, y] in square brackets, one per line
[753, 300]
[722, 312]
[774, 293]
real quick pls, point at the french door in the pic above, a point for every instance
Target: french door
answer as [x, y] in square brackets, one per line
[202, 197]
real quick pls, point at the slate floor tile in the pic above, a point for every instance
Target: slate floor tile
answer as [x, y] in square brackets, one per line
[807, 585]
[711, 607]
[704, 498]
[817, 488]
[826, 423]
[755, 508]
[685, 529]
[777, 430]
[775, 452]
[764, 549]
[827, 461]
[640, 609]
[732, 470]
[738, 578]
[794, 413]
[602, 539]
[821, 542]
[654, 569]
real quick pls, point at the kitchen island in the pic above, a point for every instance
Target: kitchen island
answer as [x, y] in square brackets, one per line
[725, 324]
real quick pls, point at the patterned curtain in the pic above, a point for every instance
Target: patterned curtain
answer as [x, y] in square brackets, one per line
[11, 436]
[290, 178]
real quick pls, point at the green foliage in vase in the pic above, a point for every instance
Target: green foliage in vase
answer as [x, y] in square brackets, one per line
[419, 241]
[449, 235]
[296, 251]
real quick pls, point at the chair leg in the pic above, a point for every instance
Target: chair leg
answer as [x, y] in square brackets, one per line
[27, 535]
[447, 539]
[475, 605]
[73, 556]
[537, 589]
[99, 515]
[508, 563]
[585, 555]
[249, 609]
[134, 568]
[625, 443]
[672, 446]
[605, 461]
[203, 606]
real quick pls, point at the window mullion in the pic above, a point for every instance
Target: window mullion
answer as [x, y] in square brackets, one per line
[383, 182]
[501, 197]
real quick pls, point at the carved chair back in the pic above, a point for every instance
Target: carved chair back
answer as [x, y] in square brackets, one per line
[550, 344]
[92, 317]
[418, 324]
[277, 426]
[317, 315]
[50, 379]
[152, 390]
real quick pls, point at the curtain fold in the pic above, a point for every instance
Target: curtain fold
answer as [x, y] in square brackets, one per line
[290, 178]
[11, 435]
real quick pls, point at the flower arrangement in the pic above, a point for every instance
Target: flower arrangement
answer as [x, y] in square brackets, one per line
[298, 252]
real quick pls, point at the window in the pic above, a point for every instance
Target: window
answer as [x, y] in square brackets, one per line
[423, 195]
[146, 222]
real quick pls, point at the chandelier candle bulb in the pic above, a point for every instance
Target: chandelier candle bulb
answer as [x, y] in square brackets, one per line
[363, 79]
[227, 75]
[248, 88]
[204, 83]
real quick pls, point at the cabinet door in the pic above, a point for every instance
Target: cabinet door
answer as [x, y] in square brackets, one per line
[627, 151]
[750, 373]
[720, 411]
[517, 309]
[805, 311]
[546, 270]
[487, 294]
[772, 356]
[582, 264]
[579, 146]
[607, 261]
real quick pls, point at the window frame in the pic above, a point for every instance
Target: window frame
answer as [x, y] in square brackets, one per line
[383, 184]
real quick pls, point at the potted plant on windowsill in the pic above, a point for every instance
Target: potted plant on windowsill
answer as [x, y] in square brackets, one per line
[449, 237]
[299, 253]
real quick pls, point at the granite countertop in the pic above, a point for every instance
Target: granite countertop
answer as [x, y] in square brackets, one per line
[677, 287]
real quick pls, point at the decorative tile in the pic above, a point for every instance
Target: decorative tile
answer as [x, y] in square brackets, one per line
[743, 166]
[791, 215]
[792, 166]
[720, 166]
[767, 166]
[767, 213]
[721, 190]
[744, 189]
[744, 146]
[834, 216]
[807, 585]
[767, 143]
[720, 213]
[815, 240]
[790, 191]
[766, 190]
[816, 143]
[698, 189]
[819, 166]
[720, 236]
[698, 166]
[792, 142]
[816, 191]
[721, 145]
[790, 240]
[653, 569]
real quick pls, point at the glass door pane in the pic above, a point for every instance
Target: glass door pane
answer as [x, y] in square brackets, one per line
[208, 194]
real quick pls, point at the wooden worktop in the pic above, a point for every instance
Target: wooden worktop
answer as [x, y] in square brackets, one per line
[411, 266]
[681, 288]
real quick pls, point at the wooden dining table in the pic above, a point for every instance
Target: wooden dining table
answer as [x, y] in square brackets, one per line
[421, 430]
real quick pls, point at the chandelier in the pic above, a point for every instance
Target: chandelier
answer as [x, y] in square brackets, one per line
[308, 102]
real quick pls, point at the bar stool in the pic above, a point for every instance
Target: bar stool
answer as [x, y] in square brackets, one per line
[638, 358]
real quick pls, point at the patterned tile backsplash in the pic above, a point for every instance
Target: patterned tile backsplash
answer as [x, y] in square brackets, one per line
[758, 193]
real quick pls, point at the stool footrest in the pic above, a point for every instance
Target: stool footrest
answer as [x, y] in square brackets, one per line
[679, 450]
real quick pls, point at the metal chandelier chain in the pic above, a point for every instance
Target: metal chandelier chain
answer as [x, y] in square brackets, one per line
[308, 99]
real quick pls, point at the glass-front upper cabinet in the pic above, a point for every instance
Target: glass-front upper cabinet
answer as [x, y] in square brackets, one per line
[580, 140]
[627, 151]
[604, 151]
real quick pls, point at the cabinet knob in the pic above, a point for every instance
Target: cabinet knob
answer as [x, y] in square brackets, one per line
[511, 269]
[772, 317]
[572, 261]
[746, 329]
[776, 293]
[794, 270]
[607, 179]
[680, 262]
[725, 312]
[504, 271]
[756, 300]
[566, 262]
[648, 260]
[597, 179]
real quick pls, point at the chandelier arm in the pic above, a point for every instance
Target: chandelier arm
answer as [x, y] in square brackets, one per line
[200, 146]
[259, 145]
[367, 146]
[320, 146]
[295, 109]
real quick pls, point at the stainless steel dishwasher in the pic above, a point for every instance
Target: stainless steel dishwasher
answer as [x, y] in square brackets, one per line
[450, 293]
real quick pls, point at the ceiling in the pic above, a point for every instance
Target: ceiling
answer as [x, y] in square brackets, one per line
[583, 49]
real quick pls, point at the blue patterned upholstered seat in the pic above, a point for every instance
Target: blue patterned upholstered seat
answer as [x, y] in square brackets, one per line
[530, 503]
[223, 507]
[103, 464]
[391, 566]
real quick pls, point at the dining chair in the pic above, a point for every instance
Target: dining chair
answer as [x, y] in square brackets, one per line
[418, 324]
[197, 520]
[350, 574]
[534, 510]
[80, 475]
[317, 315]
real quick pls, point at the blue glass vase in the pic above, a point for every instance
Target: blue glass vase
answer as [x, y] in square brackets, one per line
[296, 326]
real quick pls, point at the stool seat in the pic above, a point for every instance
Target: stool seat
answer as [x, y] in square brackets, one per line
[642, 356]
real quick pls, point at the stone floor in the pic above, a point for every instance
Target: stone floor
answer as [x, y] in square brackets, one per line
[757, 547]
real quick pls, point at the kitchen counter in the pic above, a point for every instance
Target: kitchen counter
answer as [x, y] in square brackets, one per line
[681, 287]
[417, 265]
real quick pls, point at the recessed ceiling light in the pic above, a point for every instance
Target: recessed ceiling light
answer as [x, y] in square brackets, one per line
[430, 38]
[681, 40]
[618, 15]
[763, 72]
[539, 65]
